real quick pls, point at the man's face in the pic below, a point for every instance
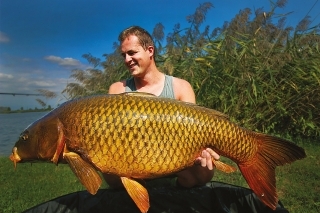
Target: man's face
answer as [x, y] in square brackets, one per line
[136, 58]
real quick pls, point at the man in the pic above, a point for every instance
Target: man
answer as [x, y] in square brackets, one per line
[138, 51]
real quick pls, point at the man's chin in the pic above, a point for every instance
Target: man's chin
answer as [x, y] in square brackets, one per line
[135, 73]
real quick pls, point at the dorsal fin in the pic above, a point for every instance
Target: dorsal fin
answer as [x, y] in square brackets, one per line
[139, 94]
[146, 94]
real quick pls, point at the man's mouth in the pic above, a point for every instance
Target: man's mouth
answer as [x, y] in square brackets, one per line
[132, 65]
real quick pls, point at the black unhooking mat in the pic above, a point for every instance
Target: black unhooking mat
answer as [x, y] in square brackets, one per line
[215, 197]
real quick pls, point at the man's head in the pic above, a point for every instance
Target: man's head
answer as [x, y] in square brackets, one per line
[138, 51]
[145, 39]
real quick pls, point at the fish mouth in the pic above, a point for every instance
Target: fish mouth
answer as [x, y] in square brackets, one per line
[14, 157]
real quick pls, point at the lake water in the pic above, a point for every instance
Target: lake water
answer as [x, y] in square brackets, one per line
[11, 125]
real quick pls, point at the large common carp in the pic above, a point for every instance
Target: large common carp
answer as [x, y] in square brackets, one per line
[140, 136]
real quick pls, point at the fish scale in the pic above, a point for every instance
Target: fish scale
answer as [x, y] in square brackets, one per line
[149, 115]
[137, 135]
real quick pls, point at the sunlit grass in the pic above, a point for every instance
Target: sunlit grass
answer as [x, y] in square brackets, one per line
[32, 184]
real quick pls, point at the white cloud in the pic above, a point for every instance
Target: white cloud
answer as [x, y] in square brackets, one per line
[64, 61]
[4, 38]
[29, 83]
[5, 76]
[44, 83]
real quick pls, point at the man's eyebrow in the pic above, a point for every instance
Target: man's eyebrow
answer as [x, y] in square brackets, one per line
[129, 52]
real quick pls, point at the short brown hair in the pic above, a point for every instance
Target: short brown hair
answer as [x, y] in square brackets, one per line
[144, 37]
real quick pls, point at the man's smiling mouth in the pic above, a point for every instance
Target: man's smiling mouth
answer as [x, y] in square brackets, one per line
[132, 65]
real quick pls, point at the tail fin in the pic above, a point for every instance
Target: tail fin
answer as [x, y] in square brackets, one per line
[259, 172]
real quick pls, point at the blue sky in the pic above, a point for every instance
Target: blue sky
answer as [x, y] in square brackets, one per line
[41, 41]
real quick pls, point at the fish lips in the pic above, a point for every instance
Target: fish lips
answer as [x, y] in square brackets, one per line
[14, 157]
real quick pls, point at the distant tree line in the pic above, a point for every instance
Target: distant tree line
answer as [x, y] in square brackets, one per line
[5, 109]
[262, 73]
[8, 109]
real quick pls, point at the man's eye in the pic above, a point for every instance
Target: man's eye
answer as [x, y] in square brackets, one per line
[131, 53]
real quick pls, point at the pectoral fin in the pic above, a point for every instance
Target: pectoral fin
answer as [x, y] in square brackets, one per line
[138, 193]
[60, 142]
[86, 173]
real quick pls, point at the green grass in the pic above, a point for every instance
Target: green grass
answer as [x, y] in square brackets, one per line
[31, 184]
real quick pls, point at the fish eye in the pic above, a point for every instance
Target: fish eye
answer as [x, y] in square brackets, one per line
[24, 137]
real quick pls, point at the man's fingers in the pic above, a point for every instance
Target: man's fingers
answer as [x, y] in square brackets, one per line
[209, 161]
[203, 159]
[206, 160]
[213, 154]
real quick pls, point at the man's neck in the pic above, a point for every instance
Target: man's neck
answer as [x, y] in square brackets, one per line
[152, 82]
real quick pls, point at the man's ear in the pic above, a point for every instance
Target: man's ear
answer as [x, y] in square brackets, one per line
[150, 49]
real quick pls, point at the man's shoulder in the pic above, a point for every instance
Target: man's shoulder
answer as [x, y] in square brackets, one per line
[180, 82]
[183, 90]
[117, 87]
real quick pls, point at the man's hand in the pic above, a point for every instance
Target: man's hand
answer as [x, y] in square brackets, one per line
[201, 172]
[206, 158]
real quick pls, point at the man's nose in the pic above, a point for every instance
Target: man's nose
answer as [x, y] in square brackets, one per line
[127, 58]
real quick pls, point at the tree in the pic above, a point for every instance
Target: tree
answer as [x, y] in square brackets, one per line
[254, 68]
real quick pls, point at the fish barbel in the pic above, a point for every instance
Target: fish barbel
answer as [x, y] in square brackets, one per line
[140, 136]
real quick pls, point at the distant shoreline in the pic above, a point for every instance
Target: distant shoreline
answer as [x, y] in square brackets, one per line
[25, 111]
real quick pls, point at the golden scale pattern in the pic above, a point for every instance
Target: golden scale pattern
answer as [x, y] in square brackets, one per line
[135, 136]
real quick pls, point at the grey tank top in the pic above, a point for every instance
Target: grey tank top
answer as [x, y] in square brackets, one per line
[167, 91]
